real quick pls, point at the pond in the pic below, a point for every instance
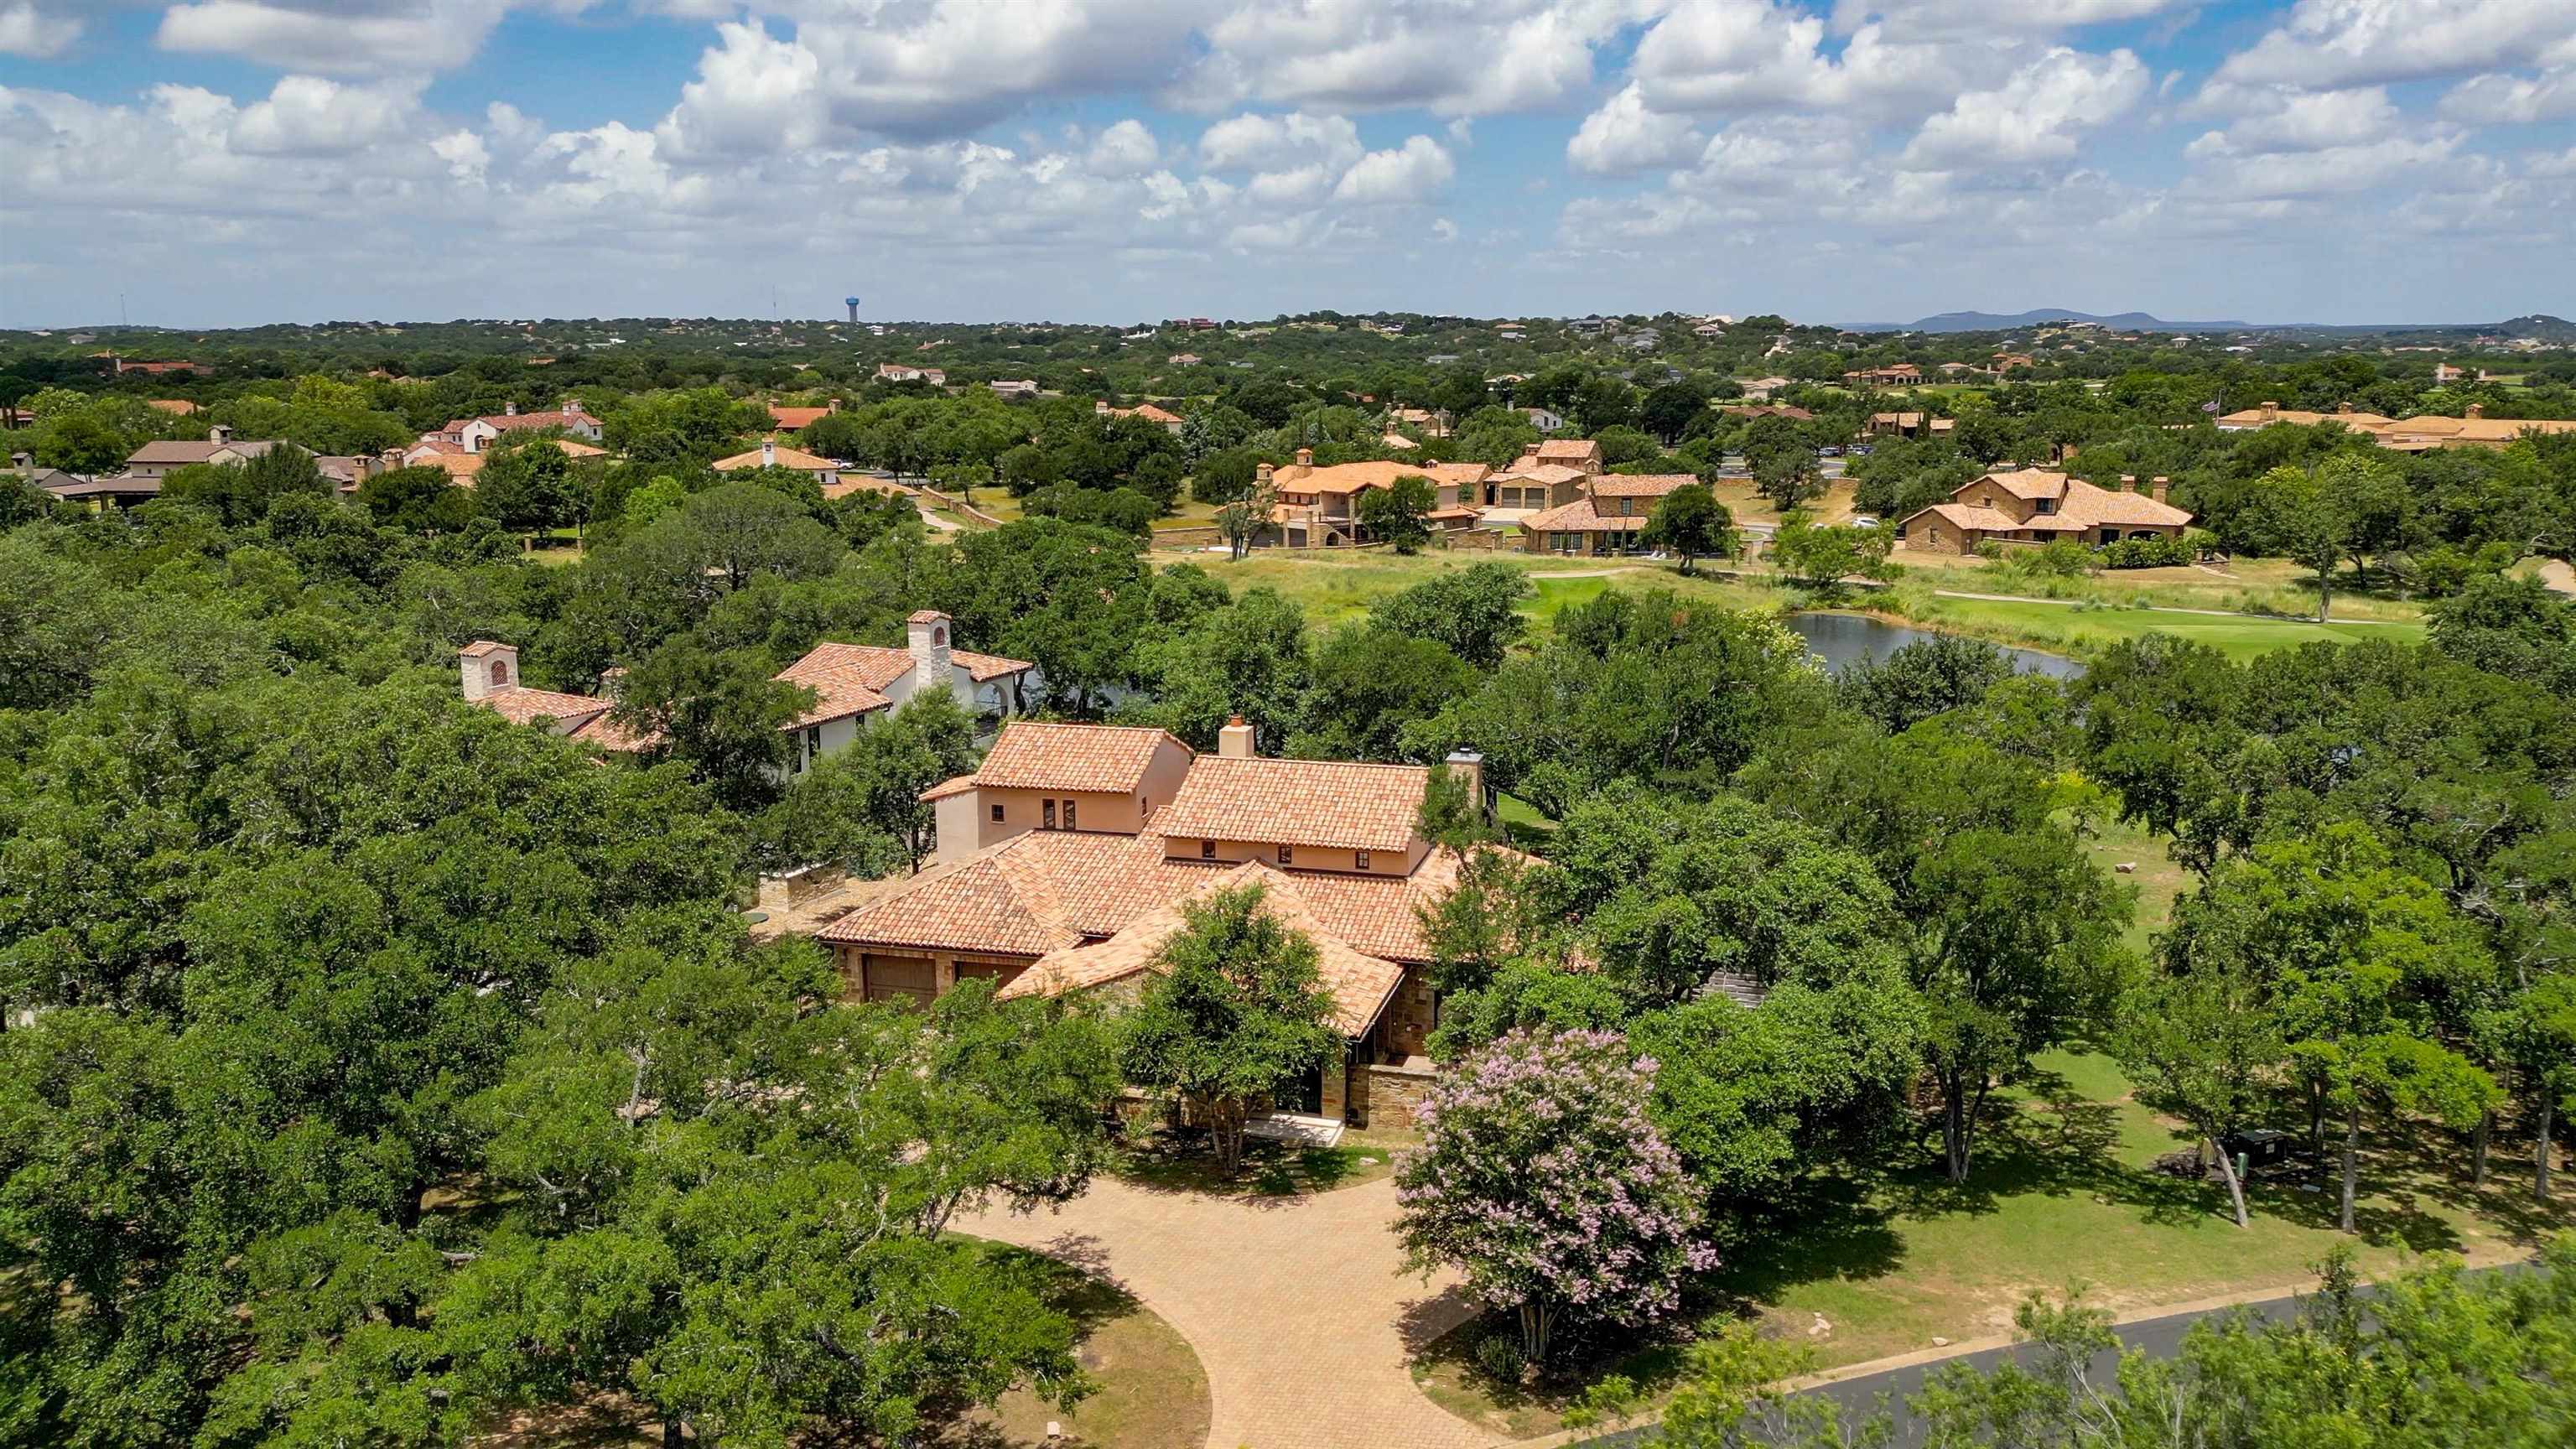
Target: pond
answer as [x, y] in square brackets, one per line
[1842, 640]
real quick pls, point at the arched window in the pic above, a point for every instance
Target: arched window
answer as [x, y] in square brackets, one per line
[938, 636]
[500, 673]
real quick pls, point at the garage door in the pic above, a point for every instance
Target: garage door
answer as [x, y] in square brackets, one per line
[901, 979]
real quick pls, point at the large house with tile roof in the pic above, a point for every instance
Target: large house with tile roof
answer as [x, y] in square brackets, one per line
[1067, 859]
[2035, 506]
[489, 672]
[772, 454]
[854, 681]
[474, 434]
[851, 682]
[1320, 507]
[2423, 434]
[160, 458]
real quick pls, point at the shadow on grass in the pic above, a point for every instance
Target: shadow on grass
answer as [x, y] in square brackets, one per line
[1653, 1362]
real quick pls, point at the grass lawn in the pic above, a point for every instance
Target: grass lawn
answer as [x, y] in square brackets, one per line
[1335, 585]
[1153, 1394]
[2157, 877]
[2060, 1193]
[2074, 630]
[1165, 1163]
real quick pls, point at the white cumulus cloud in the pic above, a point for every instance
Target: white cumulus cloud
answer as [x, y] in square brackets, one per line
[1410, 172]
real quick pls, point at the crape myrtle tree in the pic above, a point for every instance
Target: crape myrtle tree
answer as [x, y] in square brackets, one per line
[1236, 1011]
[1541, 1179]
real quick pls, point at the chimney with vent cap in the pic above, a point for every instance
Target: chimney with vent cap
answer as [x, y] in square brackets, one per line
[2477, 410]
[1469, 766]
[509, 410]
[2271, 410]
[1261, 475]
[769, 452]
[2156, 487]
[1305, 457]
[1234, 742]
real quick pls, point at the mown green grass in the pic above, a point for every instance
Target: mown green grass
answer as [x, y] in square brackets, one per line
[2075, 630]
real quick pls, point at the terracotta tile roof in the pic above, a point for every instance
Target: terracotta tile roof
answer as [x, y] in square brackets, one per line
[1581, 517]
[953, 785]
[791, 419]
[521, 705]
[1579, 450]
[783, 457]
[1638, 485]
[1047, 889]
[460, 466]
[2028, 483]
[1329, 803]
[1360, 984]
[1034, 756]
[1968, 515]
[1550, 474]
[846, 679]
[1358, 477]
[608, 734]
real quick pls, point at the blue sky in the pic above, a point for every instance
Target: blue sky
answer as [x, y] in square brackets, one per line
[222, 162]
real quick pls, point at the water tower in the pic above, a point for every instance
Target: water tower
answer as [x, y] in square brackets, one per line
[854, 310]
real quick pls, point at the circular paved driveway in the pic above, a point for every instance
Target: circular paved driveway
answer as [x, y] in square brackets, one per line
[1299, 1308]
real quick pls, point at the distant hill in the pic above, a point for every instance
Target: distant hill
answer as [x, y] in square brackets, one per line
[2538, 324]
[1997, 322]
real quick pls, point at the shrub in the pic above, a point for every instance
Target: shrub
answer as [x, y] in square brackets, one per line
[2145, 553]
[1499, 1357]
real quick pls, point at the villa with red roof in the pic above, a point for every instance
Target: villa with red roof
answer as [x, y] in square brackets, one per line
[850, 682]
[1065, 862]
[2035, 506]
[472, 434]
[853, 681]
[489, 672]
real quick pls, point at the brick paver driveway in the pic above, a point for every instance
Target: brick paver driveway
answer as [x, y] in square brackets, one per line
[1299, 1308]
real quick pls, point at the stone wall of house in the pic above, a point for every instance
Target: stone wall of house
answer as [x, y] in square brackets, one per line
[1476, 540]
[1385, 1095]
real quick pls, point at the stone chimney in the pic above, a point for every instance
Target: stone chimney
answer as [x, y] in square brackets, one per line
[1234, 742]
[1469, 766]
[2271, 410]
[22, 459]
[926, 634]
[219, 434]
[1261, 475]
[831, 405]
[2343, 409]
[509, 410]
[769, 452]
[612, 682]
[1305, 457]
[2477, 410]
[572, 407]
[2128, 482]
[2156, 487]
[486, 668]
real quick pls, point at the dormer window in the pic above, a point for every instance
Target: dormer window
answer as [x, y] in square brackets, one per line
[2045, 505]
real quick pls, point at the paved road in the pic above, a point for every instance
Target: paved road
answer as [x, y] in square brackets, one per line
[1859, 1396]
